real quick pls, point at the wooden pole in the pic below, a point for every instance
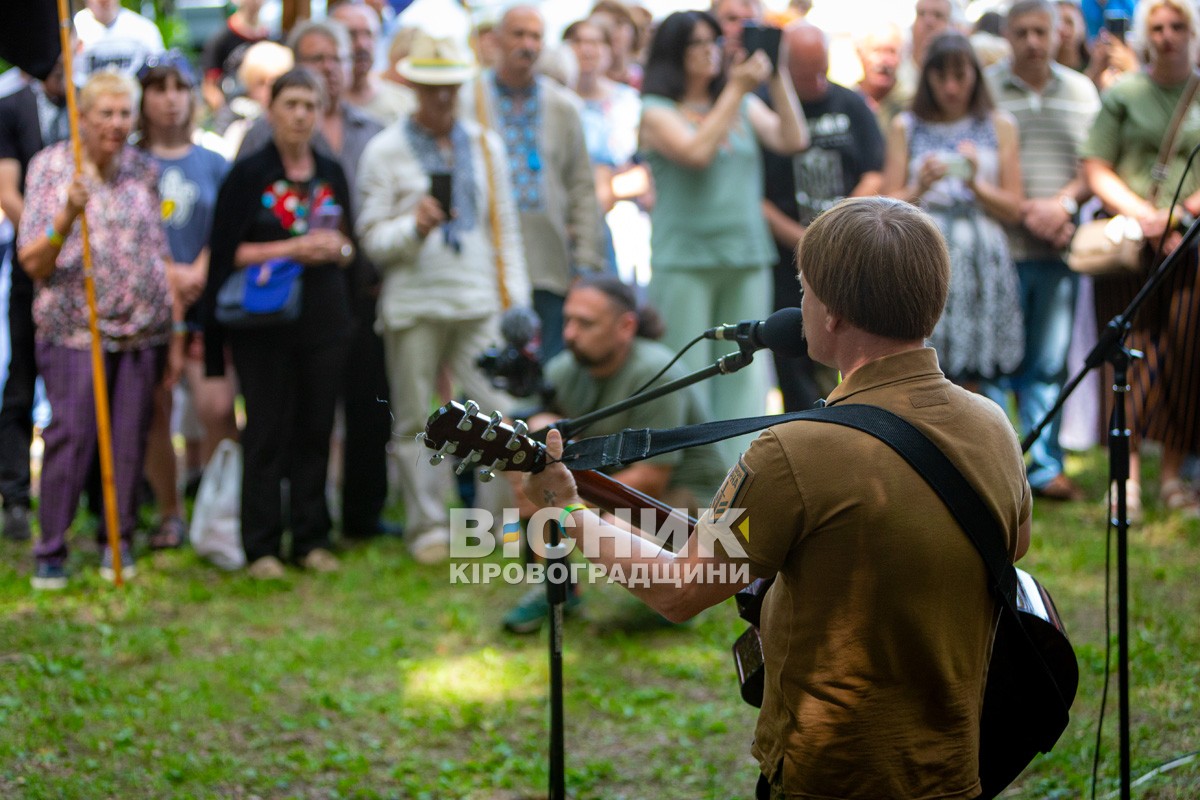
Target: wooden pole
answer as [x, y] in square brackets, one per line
[99, 374]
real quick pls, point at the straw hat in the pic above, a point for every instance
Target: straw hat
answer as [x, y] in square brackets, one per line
[436, 62]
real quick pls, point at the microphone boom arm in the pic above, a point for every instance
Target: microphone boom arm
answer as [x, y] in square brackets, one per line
[724, 365]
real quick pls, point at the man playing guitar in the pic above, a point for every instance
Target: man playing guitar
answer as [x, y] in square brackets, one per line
[878, 628]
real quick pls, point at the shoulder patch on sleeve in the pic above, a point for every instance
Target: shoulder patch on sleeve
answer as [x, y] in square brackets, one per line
[735, 484]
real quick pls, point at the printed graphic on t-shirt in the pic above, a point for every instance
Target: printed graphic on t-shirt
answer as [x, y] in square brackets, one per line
[179, 195]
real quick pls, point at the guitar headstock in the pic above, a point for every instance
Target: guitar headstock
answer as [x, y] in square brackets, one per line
[484, 443]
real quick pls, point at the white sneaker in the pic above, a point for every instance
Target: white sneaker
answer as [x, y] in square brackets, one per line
[431, 546]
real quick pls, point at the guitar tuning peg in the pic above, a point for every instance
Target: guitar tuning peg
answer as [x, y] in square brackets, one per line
[489, 433]
[448, 449]
[469, 412]
[468, 460]
[519, 431]
[486, 475]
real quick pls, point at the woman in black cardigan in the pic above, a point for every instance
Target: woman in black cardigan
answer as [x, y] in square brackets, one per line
[286, 202]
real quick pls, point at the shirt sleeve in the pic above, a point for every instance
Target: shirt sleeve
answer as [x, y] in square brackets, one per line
[760, 504]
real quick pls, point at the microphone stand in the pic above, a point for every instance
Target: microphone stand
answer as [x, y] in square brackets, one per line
[556, 553]
[1111, 348]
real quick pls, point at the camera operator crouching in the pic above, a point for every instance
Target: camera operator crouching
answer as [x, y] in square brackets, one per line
[610, 354]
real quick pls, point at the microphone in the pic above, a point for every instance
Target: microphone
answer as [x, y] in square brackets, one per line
[519, 326]
[782, 332]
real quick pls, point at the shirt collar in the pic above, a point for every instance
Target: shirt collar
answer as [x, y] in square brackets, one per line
[909, 365]
[1012, 79]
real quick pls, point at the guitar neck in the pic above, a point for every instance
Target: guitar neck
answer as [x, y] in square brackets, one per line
[609, 494]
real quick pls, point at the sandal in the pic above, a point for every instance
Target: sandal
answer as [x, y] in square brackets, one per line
[1177, 497]
[170, 534]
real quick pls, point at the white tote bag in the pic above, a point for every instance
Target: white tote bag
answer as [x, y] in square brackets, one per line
[216, 530]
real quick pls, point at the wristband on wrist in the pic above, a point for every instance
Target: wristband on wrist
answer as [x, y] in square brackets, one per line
[568, 511]
[54, 236]
[180, 328]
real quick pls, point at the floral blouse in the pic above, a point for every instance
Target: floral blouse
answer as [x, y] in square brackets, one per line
[128, 246]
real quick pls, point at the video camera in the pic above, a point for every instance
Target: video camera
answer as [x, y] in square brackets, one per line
[516, 366]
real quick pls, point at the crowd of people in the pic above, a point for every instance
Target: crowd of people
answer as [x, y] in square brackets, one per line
[390, 202]
[423, 187]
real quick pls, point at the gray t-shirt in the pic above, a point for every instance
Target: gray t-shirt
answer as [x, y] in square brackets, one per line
[698, 469]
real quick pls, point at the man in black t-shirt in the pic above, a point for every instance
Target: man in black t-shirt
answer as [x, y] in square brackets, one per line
[845, 159]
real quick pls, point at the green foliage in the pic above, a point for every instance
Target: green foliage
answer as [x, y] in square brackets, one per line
[386, 681]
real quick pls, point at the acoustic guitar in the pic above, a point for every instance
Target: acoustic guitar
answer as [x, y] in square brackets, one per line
[1033, 675]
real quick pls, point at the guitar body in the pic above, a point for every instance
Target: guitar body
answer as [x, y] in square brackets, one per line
[1032, 680]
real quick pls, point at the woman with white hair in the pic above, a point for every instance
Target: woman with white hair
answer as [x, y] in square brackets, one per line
[1119, 157]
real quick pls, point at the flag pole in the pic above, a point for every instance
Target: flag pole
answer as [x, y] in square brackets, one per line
[99, 374]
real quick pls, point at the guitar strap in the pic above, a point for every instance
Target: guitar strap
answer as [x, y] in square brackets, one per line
[964, 502]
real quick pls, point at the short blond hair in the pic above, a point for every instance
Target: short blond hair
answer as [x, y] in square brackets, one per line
[880, 264]
[264, 58]
[106, 83]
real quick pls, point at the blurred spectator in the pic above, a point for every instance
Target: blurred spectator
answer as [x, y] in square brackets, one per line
[444, 283]
[483, 40]
[731, 16]
[1072, 36]
[190, 176]
[624, 41]
[844, 159]
[384, 100]
[880, 49]
[1119, 159]
[701, 130]
[31, 118]
[548, 164]
[112, 37]
[610, 114]
[931, 19]
[290, 373]
[1054, 108]
[262, 63]
[957, 157]
[118, 187]
[224, 51]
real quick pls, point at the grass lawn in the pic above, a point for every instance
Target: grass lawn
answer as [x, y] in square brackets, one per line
[386, 681]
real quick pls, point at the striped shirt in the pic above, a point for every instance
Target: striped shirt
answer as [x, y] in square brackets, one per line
[1053, 125]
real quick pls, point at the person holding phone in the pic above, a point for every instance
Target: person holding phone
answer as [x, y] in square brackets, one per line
[957, 157]
[425, 198]
[712, 252]
[1119, 156]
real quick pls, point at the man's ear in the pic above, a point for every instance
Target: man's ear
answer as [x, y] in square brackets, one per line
[627, 324]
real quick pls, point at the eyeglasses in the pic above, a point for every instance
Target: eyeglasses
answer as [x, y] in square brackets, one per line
[718, 41]
[169, 59]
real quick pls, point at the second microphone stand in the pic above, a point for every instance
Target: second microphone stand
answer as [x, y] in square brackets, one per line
[1110, 349]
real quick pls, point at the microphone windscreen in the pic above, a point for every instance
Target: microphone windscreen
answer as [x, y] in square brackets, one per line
[783, 333]
[519, 326]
